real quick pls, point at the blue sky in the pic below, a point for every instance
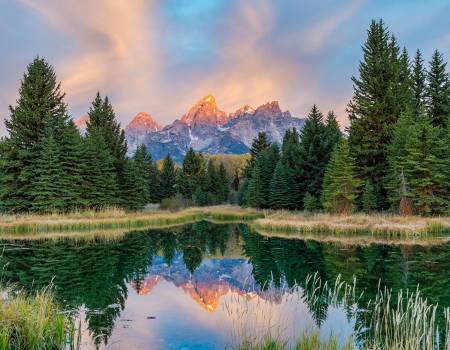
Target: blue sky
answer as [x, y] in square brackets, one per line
[162, 56]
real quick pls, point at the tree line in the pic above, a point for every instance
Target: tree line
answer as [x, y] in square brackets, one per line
[47, 166]
[395, 154]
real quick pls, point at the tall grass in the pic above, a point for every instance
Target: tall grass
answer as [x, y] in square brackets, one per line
[34, 322]
[118, 219]
[357, 224]
[401, 321]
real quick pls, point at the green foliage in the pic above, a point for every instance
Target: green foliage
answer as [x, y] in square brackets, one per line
[103, 118]
[223, 185]
[259, 183]
[138, 180]
[259, 144]
[369, 198]
[48, 190]
[168, 178]
[283, 193]
[340, 185]
[40, 103]
[438, 91]
[418, 84]
[192, 174]
[311, 203]
[314, 153]
[426, 168]
[99, 185]
[381, 94]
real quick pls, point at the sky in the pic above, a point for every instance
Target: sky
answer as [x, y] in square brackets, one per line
[162, 56]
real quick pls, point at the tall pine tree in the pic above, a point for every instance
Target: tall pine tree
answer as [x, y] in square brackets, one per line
[378, 101]
[418, 84]
[168, 178]
[340, 185]
[438, 91]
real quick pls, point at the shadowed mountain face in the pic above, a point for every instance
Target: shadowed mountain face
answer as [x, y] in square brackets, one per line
[208, 129]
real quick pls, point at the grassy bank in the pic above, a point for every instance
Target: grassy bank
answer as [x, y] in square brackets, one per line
[34, 322]
[298, 224]
[118, 219]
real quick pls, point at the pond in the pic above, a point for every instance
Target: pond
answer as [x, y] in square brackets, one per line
[205, 286]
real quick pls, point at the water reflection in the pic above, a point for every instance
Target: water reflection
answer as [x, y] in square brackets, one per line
[207, 264]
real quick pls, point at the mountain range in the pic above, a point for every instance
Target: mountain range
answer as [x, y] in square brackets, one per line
[207, 128]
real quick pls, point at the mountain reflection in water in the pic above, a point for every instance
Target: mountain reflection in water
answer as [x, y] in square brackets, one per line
[170, 288]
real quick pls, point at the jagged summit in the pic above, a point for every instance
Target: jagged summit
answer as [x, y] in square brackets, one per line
[271, 109]
[205, 111]
[143, 122]
[81, 123]
[241, 111]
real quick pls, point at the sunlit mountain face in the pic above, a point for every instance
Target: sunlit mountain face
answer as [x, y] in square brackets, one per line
[207, 128]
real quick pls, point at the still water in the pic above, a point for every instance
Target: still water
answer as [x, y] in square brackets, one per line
[206, 286]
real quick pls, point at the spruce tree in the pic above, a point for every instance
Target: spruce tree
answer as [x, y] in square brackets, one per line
[377, 103]
[283, 194]
[313, 154]
[48, 190]
[223, 184]
[192, 175]
[103, 118]
[369, 199]
[438, 91]
[395, 180]
[99, 185]
[168, 178]
[131, 197]
[340, 185]
[147, 179]
[418, 84]
[259, 144]
[259, 187]
[311, 203]
[236, 180]
[426, 169]
[40, 101]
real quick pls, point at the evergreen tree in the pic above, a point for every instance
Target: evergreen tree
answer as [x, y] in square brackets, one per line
[426, 169]
[131, 197]
[395, 180]
[168, 178]
[340, 185]
[103, 118]
[378, 101]
[255, 196]
[71, 145]
[311, 203]
[146, 172]
[438, 91]
[369, 199]
[40, 101]
[259, 144]
[418, 84]
[99, 185]
[223, 184]
[259, 187]
[236, 180]
[283, 194]
[48, 190]
[313, 154]
[192, 174]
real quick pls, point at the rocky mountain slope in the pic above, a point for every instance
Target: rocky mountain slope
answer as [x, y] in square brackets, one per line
[208, 129]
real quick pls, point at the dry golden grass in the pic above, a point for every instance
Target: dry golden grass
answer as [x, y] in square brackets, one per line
[377, 224]
[113, 219]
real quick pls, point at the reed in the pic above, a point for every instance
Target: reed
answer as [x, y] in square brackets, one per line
[117, 219]
[358, 224]
[34, 322]
[401, 321]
